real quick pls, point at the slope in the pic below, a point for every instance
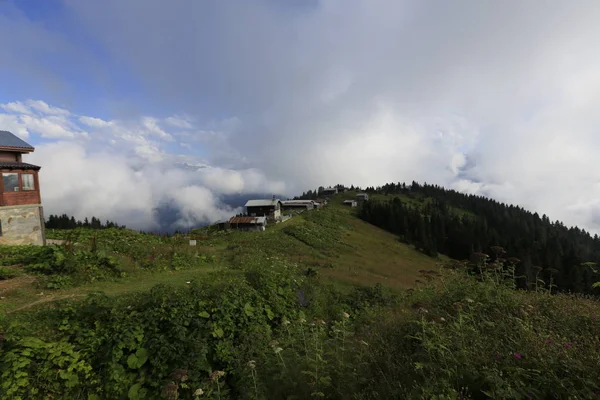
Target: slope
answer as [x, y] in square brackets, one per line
[332, 244]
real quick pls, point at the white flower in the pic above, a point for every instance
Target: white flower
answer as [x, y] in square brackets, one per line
[198, 392]
[346, 315]
[442, 319]
[277, 350]
[286, 322]
[302, 320]
[252, 364]
[469, 300]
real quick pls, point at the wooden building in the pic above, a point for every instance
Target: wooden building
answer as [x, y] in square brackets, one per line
[254, 224]
[264, 208]
[21, 212]
[330, 191]
[361, 198]
[350, 203]
[297, 205]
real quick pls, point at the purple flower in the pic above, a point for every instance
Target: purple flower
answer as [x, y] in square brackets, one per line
[548, 340]
[568, 345]
[517, 356]
[594, 317]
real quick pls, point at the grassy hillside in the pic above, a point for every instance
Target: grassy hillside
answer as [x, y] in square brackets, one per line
[324, 305]
[332, 242]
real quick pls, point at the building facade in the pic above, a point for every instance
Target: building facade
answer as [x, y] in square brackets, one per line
[264, 208]
[21, 212]
[361, 198]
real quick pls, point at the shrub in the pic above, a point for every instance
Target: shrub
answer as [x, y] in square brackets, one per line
[6, 273]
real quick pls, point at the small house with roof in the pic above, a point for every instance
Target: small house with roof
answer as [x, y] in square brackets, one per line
[253, 224]
[361, 198]
[350, 203]
[330, 191]
[297, 205]
[21, 212]
[264, 208]
[320, 203]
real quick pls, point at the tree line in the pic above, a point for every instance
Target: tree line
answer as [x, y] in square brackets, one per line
[65, 222]
[461, 226]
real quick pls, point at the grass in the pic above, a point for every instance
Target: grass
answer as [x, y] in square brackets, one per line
[344, 250]
[238, 330]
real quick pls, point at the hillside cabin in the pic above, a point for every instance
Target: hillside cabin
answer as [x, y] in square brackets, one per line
[330, 191]
[221, 225]
[264, 208]
[320, 203]
[297, 205]
[21, 212]
[249, 224]
[361, 198]
[350, 203]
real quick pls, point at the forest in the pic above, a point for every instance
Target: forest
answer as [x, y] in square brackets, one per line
[461, 226]
[65, 222]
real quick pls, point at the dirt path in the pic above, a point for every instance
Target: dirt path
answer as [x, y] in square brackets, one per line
[17, 282]
[45, 300]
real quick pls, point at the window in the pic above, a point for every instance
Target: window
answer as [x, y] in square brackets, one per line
[11, 182]
[27, 181]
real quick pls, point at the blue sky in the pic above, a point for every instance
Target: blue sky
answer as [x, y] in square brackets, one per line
[484, 97]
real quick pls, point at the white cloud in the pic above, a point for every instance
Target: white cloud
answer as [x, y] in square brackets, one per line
[498, 98]
[16, 107]
[93, 122]
[12, 124]
[178, 122]
[43, 108]
[51, 127]
[123, 172]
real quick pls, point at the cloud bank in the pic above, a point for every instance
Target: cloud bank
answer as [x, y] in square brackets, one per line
[493, 98]
[121, 170]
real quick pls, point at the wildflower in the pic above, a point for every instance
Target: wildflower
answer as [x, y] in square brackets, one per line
[423, 310]
[442, 319]
[346, 315]
[252, 364]
[198, 392]
[469, 300]
[273, 343]
[216, 375]
[517, 356]
[170, 390]
[286, 322]
[548, 340]
[302, 320]
[277, 350]
[568, 345]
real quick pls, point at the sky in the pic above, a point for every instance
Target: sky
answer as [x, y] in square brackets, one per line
[491, 98]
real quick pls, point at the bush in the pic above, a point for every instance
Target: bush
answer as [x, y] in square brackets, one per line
[6, 273]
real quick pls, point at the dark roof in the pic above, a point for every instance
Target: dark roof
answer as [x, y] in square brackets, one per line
[247, 220]
[8, 139]
[17, 165]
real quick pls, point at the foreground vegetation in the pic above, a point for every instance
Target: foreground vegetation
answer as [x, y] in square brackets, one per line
[316, 307]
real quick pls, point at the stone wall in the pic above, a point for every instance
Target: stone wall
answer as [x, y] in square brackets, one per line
[22, 225]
